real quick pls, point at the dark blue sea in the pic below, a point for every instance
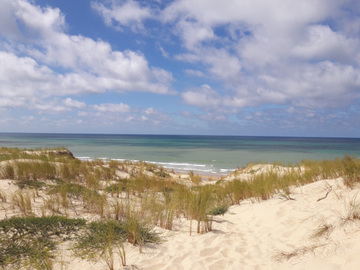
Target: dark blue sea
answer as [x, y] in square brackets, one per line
[202, 154]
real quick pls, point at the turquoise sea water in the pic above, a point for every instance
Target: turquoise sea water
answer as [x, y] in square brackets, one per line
[207, 154]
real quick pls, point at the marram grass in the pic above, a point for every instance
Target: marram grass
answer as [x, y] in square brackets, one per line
[131, 207]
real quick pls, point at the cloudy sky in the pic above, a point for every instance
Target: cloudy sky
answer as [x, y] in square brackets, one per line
[234, 67]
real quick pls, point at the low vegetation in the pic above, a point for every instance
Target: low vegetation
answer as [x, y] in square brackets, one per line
[124, 210]
[31, 242]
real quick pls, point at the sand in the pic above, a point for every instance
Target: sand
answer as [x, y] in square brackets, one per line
[272, 234]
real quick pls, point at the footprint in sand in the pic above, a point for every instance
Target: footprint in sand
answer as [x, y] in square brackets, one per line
[210, 240]
[220, 264]
[208, 251]
[180, 260]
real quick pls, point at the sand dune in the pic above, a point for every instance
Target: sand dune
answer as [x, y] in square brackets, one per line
[273, 234]
[317, 227]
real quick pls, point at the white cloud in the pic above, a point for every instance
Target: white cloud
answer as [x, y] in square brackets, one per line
[154, 116]
[112, 108]
[164, 53]
[23, 73]
[273, 52]
[322, 43]
[202, 97]
[51, 107]
[123, 13]
[269, 50]
[194, 33]
[297, 56]
[74, 103]
[34, 46]
[92, 66]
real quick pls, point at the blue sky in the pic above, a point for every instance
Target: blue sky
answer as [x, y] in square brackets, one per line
[235, 67]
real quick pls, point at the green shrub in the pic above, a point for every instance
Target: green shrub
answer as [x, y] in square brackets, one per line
[99, 244]
[30, 184]
[219, 210]
[31, 242]
[102, 239]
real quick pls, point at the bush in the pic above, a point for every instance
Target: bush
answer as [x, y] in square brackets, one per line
[103, 239]
[219, 210]
[32, 241]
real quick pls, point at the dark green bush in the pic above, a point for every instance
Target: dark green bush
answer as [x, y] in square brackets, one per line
[219, 210]
[31, 241]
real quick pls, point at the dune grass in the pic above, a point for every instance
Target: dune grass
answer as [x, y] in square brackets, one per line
[149, 197]
[103, 239]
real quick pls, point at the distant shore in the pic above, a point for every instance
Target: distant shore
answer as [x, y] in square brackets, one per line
[201, 154]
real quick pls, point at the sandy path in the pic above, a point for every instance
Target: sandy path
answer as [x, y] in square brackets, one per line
[253, 235]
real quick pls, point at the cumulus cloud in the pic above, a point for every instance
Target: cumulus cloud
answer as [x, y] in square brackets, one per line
[322, 43]
[202, 97]
[37, 46]
[123, 13]
[112, 108]
[299, 56]
[74, 103]
[268, 52]
[273, 52]
[154, 116]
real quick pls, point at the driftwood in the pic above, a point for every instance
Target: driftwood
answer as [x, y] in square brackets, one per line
[327, 193]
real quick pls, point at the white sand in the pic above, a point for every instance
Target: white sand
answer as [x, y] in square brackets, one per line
[256, 235]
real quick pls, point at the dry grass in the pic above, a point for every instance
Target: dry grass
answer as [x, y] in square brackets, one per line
[352, 211]
[298, 252]
[70, 187]
[22, 201]
[323, 230]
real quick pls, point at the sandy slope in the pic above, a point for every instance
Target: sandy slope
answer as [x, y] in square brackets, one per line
[272, 234]
[260, 235]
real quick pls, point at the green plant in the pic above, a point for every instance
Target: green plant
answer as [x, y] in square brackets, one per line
[30, 184]
[23, 202]
[195, 179]
[197, 204]
[103, 239]
[139, 233]
[351, 171]
[8, 172]
[218, 210]
[34, 170]
[32, 241]
[118, 210]
[117, 188]
[99, 242]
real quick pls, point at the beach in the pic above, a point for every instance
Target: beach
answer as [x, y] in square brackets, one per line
[207, 155]
[313, 224]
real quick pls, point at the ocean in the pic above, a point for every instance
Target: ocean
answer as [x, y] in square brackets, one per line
[201, 154]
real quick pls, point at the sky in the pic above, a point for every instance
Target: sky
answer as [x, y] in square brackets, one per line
[207, 67]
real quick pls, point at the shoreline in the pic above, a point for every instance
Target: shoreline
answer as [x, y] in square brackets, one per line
[206, 153]
[180, 171]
